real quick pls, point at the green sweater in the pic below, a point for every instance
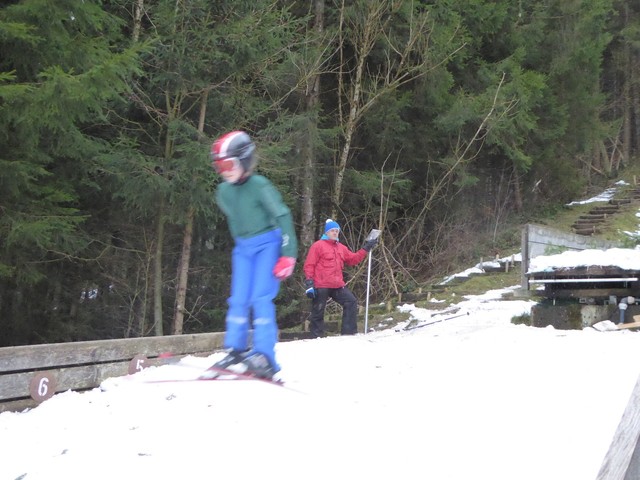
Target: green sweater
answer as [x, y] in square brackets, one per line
[255, 207]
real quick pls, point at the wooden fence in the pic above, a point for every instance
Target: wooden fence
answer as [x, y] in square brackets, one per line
[31, 374]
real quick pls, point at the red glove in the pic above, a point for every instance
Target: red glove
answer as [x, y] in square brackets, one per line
[284, 267]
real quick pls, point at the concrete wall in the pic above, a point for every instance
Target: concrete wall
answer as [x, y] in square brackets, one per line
[576, 316]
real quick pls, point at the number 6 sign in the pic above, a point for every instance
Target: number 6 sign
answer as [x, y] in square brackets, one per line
[42, 386]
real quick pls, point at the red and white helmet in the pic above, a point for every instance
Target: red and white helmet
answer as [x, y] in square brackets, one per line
[233, 147]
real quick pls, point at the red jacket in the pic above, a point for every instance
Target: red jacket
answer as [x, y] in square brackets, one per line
[325, 262]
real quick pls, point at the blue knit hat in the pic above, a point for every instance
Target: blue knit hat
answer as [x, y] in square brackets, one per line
[330, 225]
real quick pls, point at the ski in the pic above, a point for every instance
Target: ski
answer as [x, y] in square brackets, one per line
[214, 373]
[220, 378]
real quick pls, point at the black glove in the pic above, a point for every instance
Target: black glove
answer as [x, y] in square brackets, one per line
[310, 288]
[369, 244]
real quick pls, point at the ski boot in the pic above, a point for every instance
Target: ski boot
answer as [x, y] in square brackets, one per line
[233, 357]
[257, 365]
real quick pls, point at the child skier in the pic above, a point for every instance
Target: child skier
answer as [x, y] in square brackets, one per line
[264, 253]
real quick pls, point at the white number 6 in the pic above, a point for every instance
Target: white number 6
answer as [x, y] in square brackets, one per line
[42, 386]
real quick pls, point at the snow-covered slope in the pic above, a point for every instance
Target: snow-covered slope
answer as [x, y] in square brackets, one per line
[473, 397]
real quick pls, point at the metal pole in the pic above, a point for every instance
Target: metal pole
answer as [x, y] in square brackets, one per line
[366, 308]
[373, 234]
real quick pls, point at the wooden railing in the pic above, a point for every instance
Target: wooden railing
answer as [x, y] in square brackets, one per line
[622, 461]
[31, 374]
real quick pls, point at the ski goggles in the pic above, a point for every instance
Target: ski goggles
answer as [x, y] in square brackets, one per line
[226, 164]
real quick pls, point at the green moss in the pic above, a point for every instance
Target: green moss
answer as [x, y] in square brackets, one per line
[478, 284]
[524, 319]
[574, 317]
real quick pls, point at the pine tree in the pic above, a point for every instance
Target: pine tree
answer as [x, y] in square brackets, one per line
[62, 65]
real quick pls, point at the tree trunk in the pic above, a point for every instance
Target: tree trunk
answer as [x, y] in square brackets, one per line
[634, 102]
[183, 274]
[308, 141]
[627, 101]
[137, 20]
[517, 191]
[308, 176]
[157, 275]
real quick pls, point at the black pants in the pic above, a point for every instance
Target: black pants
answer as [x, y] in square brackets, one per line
[349, 304]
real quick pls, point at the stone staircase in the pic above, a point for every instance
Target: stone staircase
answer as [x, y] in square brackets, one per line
[593, 222]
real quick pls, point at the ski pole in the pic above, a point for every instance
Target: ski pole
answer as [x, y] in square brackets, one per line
[437, 321]
[366, 308]
[373, 234]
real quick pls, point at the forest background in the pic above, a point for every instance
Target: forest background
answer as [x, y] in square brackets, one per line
[445, 123]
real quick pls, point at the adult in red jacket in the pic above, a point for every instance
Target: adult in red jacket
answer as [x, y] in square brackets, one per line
[323, 272]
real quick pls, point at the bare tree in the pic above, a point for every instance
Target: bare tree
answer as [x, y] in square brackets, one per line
[367, 25]
[464, 151]
[187, 238]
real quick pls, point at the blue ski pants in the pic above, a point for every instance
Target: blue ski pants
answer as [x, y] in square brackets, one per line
[253, 289]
